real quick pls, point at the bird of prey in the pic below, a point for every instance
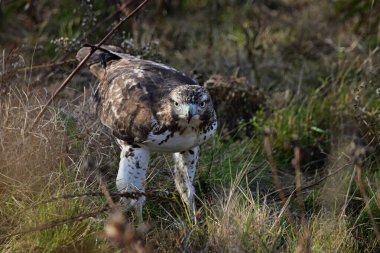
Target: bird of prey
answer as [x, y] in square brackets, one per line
[151, 107]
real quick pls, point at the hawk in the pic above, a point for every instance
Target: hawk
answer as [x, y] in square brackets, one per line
[151, 107]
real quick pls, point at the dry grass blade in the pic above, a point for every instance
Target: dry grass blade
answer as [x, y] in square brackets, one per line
[276, 178]
[129, 195]
[57, 223]
[357, 153]
[363, 192]
[304, 238]
[43, 66]
[105, 192]
[296, 162]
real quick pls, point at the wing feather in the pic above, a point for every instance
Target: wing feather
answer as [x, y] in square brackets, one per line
[131, 92]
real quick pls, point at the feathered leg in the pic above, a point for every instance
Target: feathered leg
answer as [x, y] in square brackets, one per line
[131, 175]
[185, 165]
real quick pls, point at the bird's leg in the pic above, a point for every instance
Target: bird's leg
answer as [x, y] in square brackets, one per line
[185, 165]
[131, 176]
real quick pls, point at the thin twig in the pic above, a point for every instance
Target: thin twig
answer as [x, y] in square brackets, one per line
[130, 195]
[303, 188]
[56, 223]
[105, 191]
[67, 80]
[42, 66]
[348, 198]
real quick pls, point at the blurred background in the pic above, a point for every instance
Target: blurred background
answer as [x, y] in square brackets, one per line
[307, 69]
[283, 47]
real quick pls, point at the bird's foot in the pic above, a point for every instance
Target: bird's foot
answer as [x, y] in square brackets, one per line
[134, 205]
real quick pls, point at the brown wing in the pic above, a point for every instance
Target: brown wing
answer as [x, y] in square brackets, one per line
[131, 92]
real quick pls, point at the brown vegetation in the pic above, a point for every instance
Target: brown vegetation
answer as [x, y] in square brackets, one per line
[306, 70]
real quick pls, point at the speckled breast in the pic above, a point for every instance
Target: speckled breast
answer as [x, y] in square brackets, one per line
[177, 141]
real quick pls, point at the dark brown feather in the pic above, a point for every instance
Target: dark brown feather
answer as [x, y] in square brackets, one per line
[132, 92]
[95, 60]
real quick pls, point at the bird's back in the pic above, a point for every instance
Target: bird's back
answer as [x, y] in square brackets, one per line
[130, 91]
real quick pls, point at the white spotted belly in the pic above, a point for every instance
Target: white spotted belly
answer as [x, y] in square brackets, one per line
[175, 142]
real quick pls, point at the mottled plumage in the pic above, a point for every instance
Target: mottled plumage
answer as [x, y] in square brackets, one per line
[151, 107]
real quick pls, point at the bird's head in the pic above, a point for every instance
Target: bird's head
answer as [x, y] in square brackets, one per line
[190, 105]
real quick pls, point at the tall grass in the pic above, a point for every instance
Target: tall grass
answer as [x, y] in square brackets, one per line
[318, 81]
[234, 214]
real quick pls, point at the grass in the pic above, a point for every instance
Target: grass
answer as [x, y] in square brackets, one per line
[314, 77]
[235, 214]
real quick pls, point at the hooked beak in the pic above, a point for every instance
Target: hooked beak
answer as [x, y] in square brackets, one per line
[191, 111]
[189, 116]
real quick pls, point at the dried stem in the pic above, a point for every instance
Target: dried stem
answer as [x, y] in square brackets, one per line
[276, 179]
[298, 179]
[42, 66]
[304, 238]
[363, 192]
[130, 195]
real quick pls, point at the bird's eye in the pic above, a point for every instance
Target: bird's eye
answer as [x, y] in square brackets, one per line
[176, 104]
[202, 104]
